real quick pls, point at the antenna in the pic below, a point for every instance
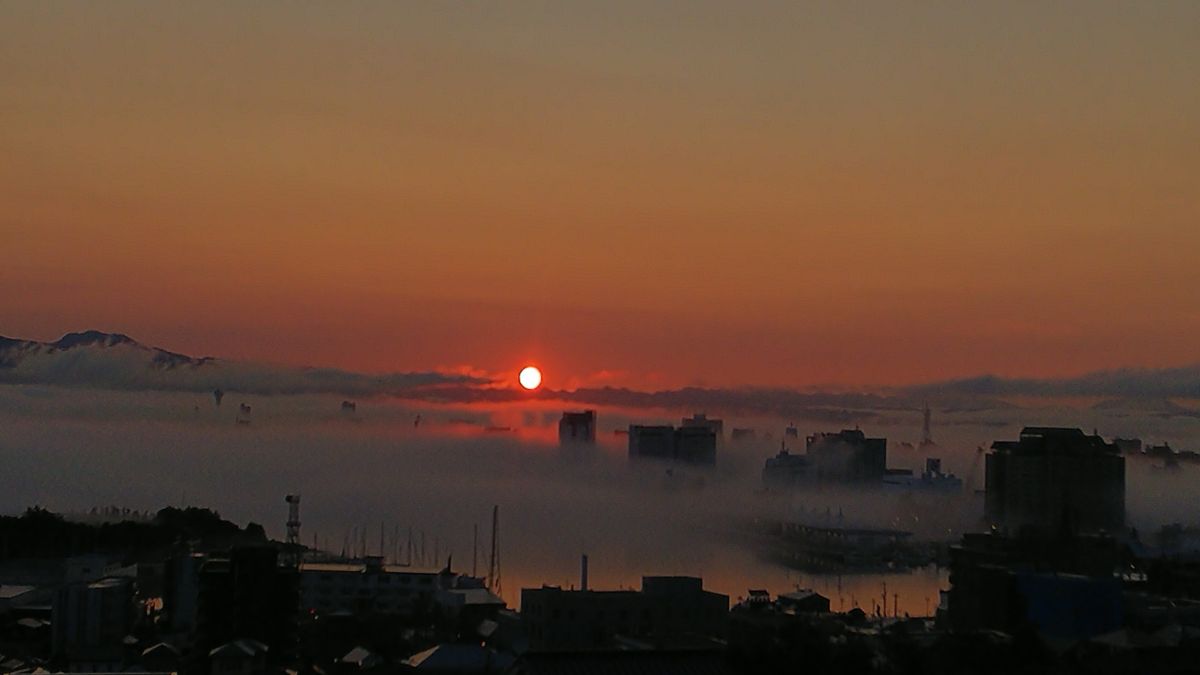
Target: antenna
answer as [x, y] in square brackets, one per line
[494, 565]
[293, 529]
[926, 432]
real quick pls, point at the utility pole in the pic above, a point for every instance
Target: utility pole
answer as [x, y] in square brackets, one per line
[494, 565]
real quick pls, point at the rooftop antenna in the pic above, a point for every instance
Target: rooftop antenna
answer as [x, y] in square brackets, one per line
[293, 529]
[475, 552]
[494, 564]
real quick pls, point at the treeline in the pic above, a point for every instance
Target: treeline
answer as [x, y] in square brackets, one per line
[39, 533]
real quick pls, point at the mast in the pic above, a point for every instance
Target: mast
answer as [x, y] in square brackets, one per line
[494, 564]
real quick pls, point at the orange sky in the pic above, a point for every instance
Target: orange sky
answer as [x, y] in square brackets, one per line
[687, 193]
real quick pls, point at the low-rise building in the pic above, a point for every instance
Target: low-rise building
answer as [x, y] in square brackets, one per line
[666, 611]
[369, 587]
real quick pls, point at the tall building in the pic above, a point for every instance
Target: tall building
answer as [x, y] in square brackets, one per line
[694, 444]
[847, 456]
[785, 470]
[577, 427]
[1054, 480]
[667, 611]
[248, 595]
[705, 422]
[89, 622]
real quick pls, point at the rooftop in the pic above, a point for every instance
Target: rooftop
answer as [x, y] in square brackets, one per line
[362, 568]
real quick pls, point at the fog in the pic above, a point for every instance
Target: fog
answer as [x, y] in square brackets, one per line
[72, 449]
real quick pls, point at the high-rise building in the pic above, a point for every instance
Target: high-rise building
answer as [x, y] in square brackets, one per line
[705, 422]
[1054, 480]
[577, 427]
[847, 456]
[249, 596]
[694, 444]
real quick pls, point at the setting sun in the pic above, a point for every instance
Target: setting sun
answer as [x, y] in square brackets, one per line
[530, 377]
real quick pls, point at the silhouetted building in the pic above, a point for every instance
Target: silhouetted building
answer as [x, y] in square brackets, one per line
[1129, 446]
[368, 587]
[847, 456]
[1055, 479]
[695, 445]
[181, 591]
[1064, 587]
[704, 422]
[739, 435]
[248, 596]
[931, 479]
[239, 657]
[577, 427]
[786, 470]
[803, 600]
[90, 622]
[668, 611]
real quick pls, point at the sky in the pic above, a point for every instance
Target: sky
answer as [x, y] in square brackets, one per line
[641, 194]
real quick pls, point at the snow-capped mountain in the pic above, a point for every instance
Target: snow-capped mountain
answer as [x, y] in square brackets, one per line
[115, 361]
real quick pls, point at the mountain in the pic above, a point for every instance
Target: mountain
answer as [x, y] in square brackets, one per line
[101, 360]
[13, 352]
[1181, 382]
[1158, 407]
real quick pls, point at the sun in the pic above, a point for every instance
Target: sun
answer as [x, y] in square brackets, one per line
[530, 377]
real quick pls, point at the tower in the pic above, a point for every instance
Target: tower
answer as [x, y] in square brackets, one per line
[293, 529]
[494, 564]
[926, 431]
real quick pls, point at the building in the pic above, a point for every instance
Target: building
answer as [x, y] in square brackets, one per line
[1062, 587]
[181, 591]
[369, 587]
[785, 470]
[248, 596]
[804, 600]
[702, 421]
[667, 611]
[743, 435]
[652, 441]
[696, 445]
[1055, 480]
[577, 427]
[847, 456]
[931, 480]
[90, 621]
[691, 444]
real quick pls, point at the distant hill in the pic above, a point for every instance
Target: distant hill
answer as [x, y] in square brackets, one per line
[100, 360]
[1159, 407]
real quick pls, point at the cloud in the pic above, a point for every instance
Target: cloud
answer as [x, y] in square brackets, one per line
[1131, 383]
[117, 362]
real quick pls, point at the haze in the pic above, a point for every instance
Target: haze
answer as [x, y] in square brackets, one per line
[644, 195]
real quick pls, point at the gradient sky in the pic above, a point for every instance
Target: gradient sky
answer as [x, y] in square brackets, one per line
[649, 194]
